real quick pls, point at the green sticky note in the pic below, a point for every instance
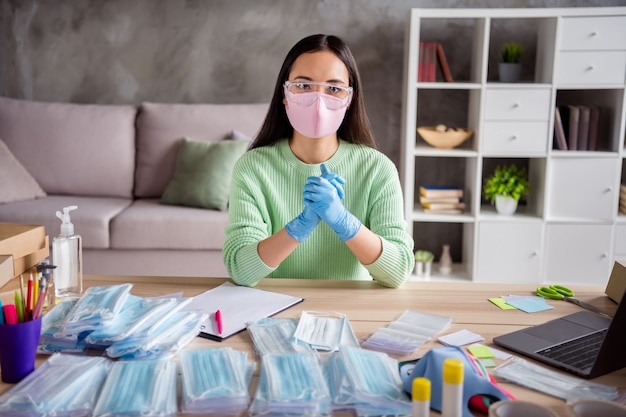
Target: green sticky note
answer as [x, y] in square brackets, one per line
[481, 351]
[500, 302]
[488, 362]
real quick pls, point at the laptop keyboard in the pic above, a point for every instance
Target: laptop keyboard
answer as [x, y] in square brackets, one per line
[579, 353]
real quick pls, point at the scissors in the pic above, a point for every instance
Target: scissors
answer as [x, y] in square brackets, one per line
[559, 292]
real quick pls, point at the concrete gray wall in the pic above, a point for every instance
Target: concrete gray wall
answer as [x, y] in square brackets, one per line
[208, 51]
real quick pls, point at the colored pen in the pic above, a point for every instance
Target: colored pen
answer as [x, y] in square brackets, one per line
[218, 319]
[10, 314]
[42, 296]
[1, 313]
[19, 306]
[29, 298]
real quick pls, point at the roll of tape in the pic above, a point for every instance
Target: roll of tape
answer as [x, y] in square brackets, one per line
[593, 408]
[515, 408]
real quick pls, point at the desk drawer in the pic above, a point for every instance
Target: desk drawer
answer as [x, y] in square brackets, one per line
[517, 104]
[513, 138]
[593, 33]
[591, 67]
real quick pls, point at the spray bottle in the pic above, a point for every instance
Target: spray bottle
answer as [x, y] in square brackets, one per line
[67, 255]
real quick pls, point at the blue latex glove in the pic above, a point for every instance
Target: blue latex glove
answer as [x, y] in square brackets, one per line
[303, 225]
[324, 198]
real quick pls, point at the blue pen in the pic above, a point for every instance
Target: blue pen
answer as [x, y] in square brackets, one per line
[1, 313]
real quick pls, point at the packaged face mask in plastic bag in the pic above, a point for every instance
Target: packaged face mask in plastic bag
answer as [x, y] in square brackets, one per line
[271, 335]
[324, 331]
[96, 308]
[366, 382]
[139, 388]
[291, 384]
[215, 381]
[52, 339]
[431, 367]
[64, 385]
[542, 379]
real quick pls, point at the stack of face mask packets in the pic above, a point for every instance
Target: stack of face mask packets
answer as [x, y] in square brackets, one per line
[356, 379]
[215, 381]
[291, 384]
[126, 326]
[41, 394]
[407, 333]
[366, 382]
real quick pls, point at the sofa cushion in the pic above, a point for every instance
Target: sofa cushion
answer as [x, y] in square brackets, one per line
[147, 224]
[17, 183]
[160, 128]
[203, 174]
[91, 219]
[73, 149]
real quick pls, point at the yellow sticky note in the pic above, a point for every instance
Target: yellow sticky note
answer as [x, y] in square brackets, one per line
[481, 351]
[501, 303]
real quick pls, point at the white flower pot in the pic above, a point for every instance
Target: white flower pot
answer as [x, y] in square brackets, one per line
[422, 269]
[505, 205]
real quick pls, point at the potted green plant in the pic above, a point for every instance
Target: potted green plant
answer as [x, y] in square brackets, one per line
[505, 187]
[510, 62]
[423, 262]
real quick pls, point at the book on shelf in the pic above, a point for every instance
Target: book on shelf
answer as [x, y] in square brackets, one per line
[424, 199]
[559, 131]
[443, 64]
[594, 126]
[572, 131]
[431, 54]
[443, 206]
[426, 67]
[444, 211]
[440, 191]
[583, 128]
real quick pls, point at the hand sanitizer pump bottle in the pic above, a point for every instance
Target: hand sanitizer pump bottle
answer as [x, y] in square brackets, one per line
[67, 255]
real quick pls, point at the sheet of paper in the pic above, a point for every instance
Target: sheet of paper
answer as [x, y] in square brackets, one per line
[529, 304]
[239, 306]
[460, 338]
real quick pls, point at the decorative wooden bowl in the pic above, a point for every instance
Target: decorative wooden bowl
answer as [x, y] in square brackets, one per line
[448, 139]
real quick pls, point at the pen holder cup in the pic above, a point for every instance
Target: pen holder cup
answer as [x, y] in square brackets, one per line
[18, 349]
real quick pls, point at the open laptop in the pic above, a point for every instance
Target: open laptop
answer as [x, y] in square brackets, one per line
[584, 343]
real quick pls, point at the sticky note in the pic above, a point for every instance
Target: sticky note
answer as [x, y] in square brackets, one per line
[501, 302]
[530, 304]
[481, 351]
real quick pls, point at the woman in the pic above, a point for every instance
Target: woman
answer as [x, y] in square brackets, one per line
[313, 198]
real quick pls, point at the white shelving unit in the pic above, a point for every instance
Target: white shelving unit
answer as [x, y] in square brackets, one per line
[569, 230]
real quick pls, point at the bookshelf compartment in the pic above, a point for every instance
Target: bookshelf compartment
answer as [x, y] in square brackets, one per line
[532, 206]
[532, 34]
[610, 105]
[459, 56]
[433, 235]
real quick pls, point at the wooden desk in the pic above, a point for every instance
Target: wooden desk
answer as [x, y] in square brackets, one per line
[369, 306]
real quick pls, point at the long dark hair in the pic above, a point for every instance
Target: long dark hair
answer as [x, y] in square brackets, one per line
[355, 127]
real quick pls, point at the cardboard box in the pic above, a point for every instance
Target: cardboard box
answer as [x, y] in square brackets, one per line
[22, 246]
[617, 282]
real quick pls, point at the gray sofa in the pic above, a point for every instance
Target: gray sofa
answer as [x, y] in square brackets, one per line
[114, 162]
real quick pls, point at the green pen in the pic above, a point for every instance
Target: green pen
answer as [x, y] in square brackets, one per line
[19, 307]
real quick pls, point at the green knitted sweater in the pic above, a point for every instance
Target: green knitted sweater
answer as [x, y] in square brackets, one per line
[266, 193]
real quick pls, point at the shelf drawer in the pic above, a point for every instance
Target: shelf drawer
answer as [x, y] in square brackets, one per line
[591, 67]
[504, 138]
[517, 104]
[593, 33]
[583, 188]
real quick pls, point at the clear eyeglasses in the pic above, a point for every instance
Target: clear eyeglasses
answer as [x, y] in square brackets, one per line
[306, 93]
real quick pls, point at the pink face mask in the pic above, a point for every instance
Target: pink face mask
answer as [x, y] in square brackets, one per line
[315, 114]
